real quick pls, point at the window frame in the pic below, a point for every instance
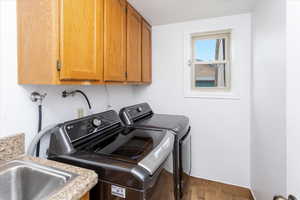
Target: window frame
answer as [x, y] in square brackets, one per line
[226, 34]
[229, 92]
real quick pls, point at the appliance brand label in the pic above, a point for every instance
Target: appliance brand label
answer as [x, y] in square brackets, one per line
[118, 191]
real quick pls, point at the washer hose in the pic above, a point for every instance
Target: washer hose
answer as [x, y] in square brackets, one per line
[38, 146]
[37, 97]
[66, 94]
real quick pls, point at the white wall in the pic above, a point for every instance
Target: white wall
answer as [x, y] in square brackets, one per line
[293, 97]
[268, 134]
[1, 58]
[220, 127]
[18, 113]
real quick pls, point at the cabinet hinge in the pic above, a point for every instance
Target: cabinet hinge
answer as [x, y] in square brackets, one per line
[58, 65]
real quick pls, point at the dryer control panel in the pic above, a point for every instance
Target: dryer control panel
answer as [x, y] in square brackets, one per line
[133, 113]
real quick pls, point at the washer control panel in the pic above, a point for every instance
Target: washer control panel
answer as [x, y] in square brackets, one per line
[84, 127]
[97, 122]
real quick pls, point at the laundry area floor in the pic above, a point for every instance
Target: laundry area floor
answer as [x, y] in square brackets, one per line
[201, 189]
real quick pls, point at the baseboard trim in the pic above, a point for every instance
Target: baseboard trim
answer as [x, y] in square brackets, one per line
[223, 182]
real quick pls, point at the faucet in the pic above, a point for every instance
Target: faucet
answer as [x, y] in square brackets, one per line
[37, 97]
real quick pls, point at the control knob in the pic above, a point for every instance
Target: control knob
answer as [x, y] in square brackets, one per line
[139, 109]
[96, 122]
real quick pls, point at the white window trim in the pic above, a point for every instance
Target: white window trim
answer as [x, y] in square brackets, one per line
[215, 35]
[209, 93]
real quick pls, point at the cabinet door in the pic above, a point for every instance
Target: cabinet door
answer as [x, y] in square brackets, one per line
[146, 53]
[134, 45]
[37, 41]
[86, 196]
[81, 39]
[115, 40]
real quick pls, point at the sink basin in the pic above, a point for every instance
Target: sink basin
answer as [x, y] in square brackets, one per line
[24, 180]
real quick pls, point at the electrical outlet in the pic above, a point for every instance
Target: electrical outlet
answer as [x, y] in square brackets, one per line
[80, 112]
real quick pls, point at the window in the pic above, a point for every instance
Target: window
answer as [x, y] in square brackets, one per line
[210, 61]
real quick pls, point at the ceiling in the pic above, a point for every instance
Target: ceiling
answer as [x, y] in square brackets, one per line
[160, 12]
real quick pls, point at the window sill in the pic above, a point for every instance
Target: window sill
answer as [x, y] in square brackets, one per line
[212, 95]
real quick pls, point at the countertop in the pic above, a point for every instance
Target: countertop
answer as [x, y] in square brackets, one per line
[74, 190]
[12, 148]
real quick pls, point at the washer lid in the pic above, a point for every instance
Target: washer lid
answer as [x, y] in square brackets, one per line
[142, 116]
[130, 147]
[176, 123]
[159, 154]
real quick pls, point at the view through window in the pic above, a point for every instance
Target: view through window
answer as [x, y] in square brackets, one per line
[211, 60]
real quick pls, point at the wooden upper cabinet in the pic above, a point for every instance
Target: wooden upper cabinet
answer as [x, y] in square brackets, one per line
[146, 53]
[37, 41]
[115, 40]
[134, 45]
[82, 42]
[81, 39]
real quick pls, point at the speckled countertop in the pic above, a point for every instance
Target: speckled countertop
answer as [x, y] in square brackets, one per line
[12, 148]
[82, 184]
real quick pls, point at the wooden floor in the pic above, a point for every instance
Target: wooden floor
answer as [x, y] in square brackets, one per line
[201, 189]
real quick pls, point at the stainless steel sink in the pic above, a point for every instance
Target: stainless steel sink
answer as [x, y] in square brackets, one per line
[24, 180]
